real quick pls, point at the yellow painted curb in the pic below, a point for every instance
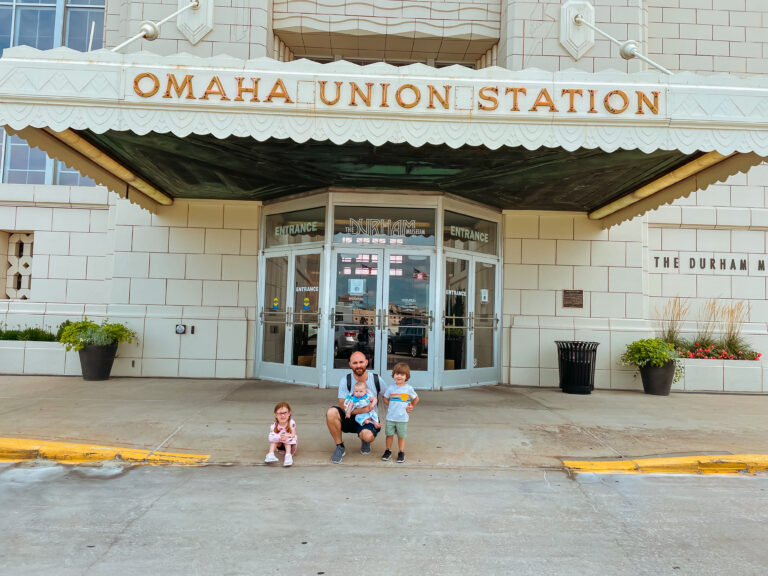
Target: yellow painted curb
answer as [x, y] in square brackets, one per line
[709, 464]
[21, 449]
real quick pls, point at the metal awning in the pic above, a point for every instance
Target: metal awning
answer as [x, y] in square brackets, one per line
[155, 128]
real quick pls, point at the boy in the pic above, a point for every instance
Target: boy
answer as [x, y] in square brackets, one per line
[399, 398]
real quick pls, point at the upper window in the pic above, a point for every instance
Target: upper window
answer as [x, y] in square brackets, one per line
[384, 225]
[45, 24]
[296, 227]
[469, 233]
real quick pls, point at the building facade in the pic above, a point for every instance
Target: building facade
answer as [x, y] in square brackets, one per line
[276, 270]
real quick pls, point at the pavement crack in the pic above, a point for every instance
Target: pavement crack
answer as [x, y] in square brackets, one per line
[140, 513]
[168, 439]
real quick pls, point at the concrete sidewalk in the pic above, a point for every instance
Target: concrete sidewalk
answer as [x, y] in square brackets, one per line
[494, 426]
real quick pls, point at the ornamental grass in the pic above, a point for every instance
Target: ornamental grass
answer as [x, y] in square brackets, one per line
[670, 318]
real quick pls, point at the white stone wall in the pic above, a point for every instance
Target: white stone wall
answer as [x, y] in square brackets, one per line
[241, 28]
[98, 256]
[546, 253]
[728, 220]
[709, 35]
[530, 36]
[70, 228]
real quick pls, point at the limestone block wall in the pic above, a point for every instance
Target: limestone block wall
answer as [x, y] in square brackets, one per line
[727, 223]
[99, 256]
[546, 253]
[530, 35]
[241, 28]
[709, 35]
[193, 263]
[70, 230]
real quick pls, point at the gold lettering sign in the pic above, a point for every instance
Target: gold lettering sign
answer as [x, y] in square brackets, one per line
[607, 101]
[374, 95]
[143, 93]
[416, 95]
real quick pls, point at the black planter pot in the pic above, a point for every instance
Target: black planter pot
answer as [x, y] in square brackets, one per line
[96, 361]
[657, 380]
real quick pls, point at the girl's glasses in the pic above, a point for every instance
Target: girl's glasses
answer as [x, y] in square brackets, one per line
[282, 413]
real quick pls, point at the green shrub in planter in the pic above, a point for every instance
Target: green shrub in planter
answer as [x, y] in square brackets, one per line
[652, 352]
[77, 335]
[28, 334]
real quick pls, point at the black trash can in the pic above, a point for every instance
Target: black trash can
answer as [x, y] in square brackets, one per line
[576, 361]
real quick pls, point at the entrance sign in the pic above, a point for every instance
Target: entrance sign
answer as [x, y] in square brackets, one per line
[468, 233]
[296, 227]
[384, 226]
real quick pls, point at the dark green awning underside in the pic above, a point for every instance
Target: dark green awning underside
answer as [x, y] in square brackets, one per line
[508, 178]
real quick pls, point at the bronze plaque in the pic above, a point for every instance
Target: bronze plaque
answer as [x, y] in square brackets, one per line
[573, 298]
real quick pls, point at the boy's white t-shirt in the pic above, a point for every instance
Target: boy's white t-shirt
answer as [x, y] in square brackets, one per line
[399, 397]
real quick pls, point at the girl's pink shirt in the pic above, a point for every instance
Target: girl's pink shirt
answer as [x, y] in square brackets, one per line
[274, 435]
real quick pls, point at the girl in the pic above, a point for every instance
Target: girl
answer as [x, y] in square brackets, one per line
[282, 434]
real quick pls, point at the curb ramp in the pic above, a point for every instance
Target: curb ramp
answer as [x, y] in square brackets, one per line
[701, 464]
[23, 449]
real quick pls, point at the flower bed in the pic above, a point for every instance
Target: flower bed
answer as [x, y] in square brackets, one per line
[715, 352]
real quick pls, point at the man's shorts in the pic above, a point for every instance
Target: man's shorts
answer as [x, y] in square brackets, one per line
[350, 425]
[399, 428]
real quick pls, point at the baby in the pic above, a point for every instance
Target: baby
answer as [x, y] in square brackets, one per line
[360, 397]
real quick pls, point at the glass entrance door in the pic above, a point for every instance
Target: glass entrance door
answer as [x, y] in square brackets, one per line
[290, 317]
[470, 322]
[382, 308]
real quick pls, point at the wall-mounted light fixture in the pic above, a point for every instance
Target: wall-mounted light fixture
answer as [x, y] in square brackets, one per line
[577, 34]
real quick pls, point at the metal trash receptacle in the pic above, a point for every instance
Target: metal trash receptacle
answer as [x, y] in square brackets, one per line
[576, 363]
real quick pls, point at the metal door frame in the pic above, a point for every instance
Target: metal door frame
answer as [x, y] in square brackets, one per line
[286, 371]
[471, 376]
[419, 379]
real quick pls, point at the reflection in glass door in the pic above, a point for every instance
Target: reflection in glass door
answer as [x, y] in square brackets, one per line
[356, 307]
[275, 311]
[456, 314]
[484, 318]
[382, 309]
[408, 319]
[470, 322]
[305, 317]
[291, 317]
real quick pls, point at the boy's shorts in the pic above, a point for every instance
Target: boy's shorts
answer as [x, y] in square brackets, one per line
[350, 425]
[399, 428]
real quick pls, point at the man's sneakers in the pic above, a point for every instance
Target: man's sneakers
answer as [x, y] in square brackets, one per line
[288, 459]
[270, 458]
[387, 455]
[400, 457]
[338, 454]
[365, 447]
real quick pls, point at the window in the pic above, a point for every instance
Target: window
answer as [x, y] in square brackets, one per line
[45, 24]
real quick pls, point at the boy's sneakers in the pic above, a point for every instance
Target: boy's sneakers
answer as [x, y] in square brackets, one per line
[270, 458]
[400, 457]
[288, 459]
[365, 447]
[338, 454]
[387, 455]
